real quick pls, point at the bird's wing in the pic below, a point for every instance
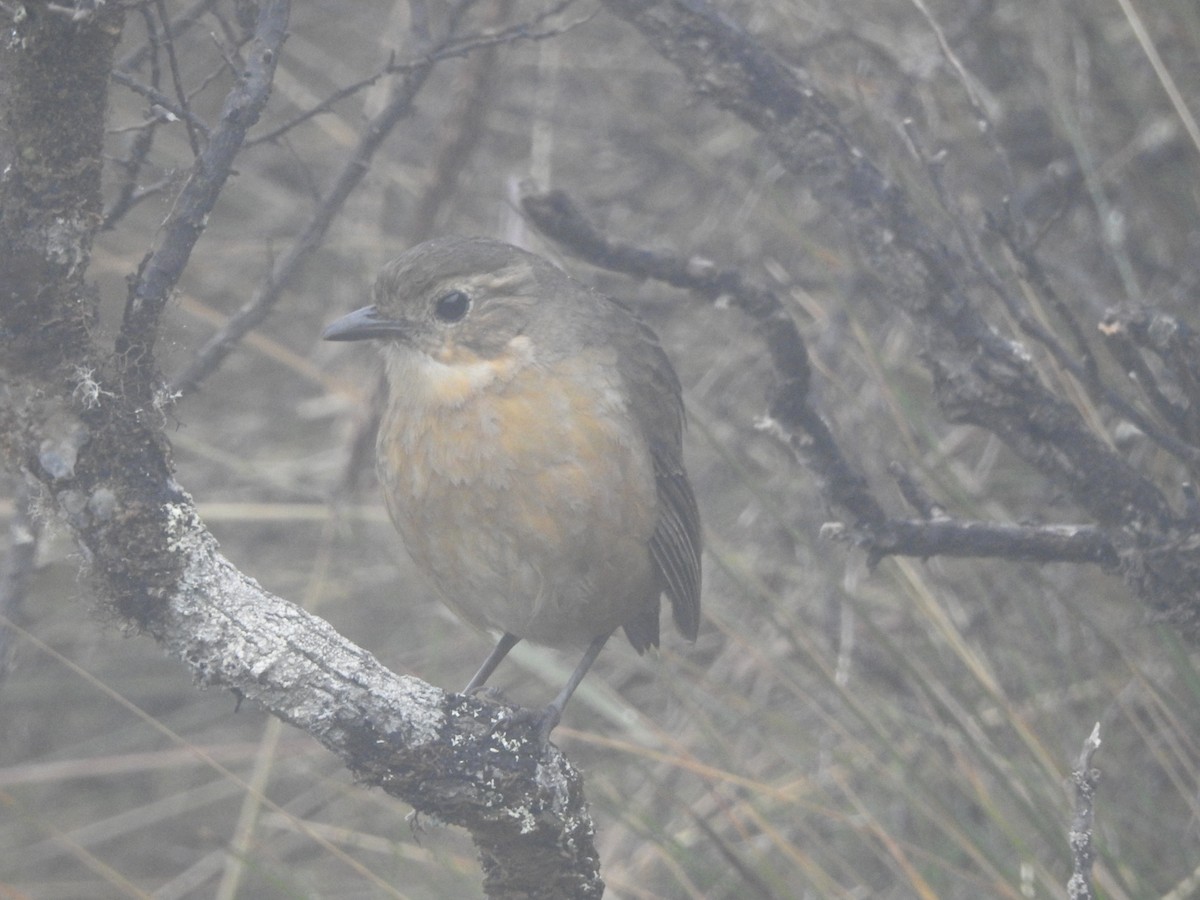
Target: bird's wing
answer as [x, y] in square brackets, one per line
[657, 407]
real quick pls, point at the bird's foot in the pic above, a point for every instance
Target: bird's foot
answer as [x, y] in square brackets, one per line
[487, 693]
[542, 719]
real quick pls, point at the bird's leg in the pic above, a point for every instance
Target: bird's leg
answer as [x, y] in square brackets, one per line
[506, 643]
[550, 716]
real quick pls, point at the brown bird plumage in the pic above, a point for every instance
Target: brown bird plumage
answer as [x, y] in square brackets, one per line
[531, 450]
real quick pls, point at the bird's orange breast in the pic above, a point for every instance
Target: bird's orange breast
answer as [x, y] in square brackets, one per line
[524, 489]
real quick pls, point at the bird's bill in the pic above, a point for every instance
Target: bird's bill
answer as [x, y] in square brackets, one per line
[363, 324]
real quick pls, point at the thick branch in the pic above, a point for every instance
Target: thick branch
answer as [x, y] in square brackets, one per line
[450, 756]
[454, 757]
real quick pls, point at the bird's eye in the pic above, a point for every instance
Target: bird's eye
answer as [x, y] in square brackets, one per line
[451, 306]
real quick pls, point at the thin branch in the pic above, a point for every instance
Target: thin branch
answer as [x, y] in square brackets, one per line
[461, 132]
[1172, 341]
[1085, 371]
[1137, 370]
[161, 271]
[324, 106]
[181, 23]
[176, 79]
[16, 569]
[971, 89]
[158, 98]
[963, 538]
[914, 493]
[124, 203]
[458, 48]
[139, 150]
[269, 292]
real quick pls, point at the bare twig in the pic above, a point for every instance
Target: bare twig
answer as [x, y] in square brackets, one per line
[16, 569]
[1085, 368]
[161, 271]
[139, 194]
[1172, 341]
[460, 134]
[268, 293]
[457, 48]
[158, 98]
[181, 23]
[142, 142]
[913, 493]
[168, 43]
[965, 538]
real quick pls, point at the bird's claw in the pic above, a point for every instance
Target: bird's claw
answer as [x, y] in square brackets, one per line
[543, 720]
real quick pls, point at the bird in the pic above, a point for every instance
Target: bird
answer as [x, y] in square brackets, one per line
[530, 452]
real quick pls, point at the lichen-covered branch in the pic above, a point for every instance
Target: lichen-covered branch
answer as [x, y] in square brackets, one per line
[1083, 854]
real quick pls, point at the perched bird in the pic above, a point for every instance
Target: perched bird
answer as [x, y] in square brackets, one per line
[530, 451]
